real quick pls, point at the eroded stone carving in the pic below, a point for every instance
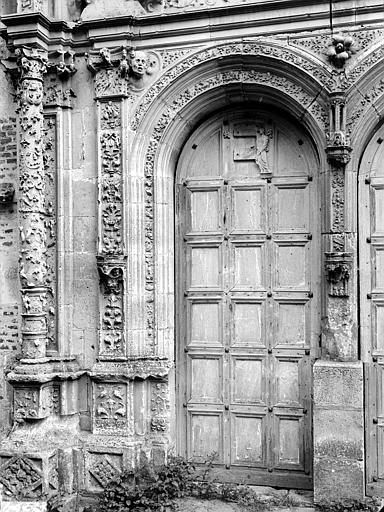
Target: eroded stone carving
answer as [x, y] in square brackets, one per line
[21, 478]
[110, 408]
[337, 192]
[338, 267]
[35, 402]
[112, 344]
[122, 71]
[33, 212]
[31, 6]
[111, 260]
[159, 406]
[104, 471]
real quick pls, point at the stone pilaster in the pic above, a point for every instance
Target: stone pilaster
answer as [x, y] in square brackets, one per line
[33, 213]
[338, 425]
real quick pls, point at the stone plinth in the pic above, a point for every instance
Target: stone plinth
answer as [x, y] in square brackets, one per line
[338, 430]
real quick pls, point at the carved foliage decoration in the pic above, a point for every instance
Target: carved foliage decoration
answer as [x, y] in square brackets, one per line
[111, 178]
[110, 408]
[337, 200]
[112, 343]
[111, 259]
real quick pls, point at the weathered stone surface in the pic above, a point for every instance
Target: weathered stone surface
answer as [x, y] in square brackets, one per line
[337, 479]
[338, 384]
[338, 429]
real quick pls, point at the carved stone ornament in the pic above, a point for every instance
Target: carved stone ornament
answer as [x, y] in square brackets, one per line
[62, 63]
[111, 343]
[122, 70]
[340, 50]
[21, 478]
[110, 408]
[338, 266]
[34, 210]
[35, 402]
[338, 149]
[159, 406]
[7, 191]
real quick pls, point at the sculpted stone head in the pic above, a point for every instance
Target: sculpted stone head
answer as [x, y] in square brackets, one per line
[139, 63]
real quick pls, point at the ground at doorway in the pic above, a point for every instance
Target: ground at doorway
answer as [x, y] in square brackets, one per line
[288, 501]
[195, 505]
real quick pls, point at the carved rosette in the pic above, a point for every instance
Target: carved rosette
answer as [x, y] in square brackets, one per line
[338, 266]
[33, 207]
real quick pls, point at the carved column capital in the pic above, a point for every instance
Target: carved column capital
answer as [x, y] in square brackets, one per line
[32, 63]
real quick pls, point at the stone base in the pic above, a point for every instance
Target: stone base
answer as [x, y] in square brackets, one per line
[338, 430]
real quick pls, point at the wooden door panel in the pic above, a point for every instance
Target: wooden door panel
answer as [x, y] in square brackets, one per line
[249, 266]
[378, 208]
[248, 323]
[290, 322]
[290, 453]
[203, 389]
[244, 276]
[206, 435]
[292, 209]
[248, 442]
[292, 266]
[205, 266]
[248, 210]
[204, 323]
[248, 381]
[378, 268]
[205, 210]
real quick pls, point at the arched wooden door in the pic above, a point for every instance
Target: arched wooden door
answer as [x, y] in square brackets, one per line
[247, 281]
[371, 266]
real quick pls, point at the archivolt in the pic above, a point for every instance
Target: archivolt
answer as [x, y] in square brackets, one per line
[210, 79]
